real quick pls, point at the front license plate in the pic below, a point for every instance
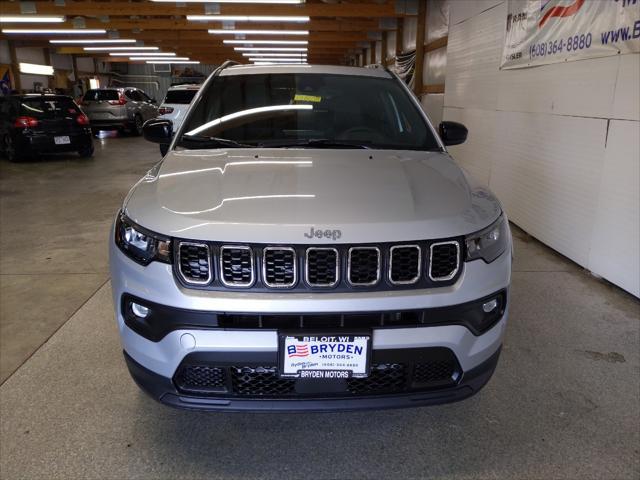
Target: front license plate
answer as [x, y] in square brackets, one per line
[324, 356]
[61, 140]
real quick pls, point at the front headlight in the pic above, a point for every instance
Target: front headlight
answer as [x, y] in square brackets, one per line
[140, 244]
[489, 243]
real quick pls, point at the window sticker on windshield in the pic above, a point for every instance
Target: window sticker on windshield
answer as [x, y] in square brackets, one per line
[306, 98]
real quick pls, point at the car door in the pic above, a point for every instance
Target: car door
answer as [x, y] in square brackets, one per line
[150, 109]
[134, 103]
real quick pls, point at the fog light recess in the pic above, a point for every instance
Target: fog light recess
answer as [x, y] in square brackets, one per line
[490, 306]
[139, 310]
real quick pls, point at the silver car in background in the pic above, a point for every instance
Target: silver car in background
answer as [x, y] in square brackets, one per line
[118, 109]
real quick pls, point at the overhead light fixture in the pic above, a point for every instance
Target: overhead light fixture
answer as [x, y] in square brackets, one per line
[168, 62]
[247, 18]
[266, 42]
[234, 1]
[94, 40]
[276, 63]
[50, 31]
[270, 54]
[166, 59]
[31, 19]
[142, 54]
[125, 49]
[279, 59]
[35, 69]
[272, 49]
[230, 31]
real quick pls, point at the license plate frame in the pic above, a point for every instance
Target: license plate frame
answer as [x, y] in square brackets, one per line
[355, 338]
[62, 140]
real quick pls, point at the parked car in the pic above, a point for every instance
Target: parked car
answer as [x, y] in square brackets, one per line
[308, 243]
[33, 124]
[119, 109]
[175, 106]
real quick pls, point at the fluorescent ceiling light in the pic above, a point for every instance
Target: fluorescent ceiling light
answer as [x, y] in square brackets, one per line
[286, 60]
[270, 49]
[50, 31]
[121, 49]
[166, 59]
[94, 40]
[232, 1]
[247, 18]
[276, 63]
[230, 31]
[266, 42]
[36, 69]
[31, 19]
[142, 54]
[269, 54]
[168, 62]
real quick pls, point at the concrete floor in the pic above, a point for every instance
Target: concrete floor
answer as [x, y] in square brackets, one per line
[564, 401]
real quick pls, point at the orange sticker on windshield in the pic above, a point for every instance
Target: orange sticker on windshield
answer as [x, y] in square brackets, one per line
[307, 98]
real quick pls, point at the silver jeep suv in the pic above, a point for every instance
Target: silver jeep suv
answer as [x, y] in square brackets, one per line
[308, 244]
[119, 108]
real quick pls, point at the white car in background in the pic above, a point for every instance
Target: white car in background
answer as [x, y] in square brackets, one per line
[175, 106]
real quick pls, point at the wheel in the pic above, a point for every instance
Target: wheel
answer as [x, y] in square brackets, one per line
[10, 150]
[137, 125]
[86, 152]
[164, 149]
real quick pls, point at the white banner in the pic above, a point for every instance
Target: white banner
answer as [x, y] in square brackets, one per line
[551, 31]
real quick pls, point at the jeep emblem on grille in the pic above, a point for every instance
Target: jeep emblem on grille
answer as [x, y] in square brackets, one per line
[333, 234]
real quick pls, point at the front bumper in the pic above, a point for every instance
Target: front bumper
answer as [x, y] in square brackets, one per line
[154, 363]
[164, 390]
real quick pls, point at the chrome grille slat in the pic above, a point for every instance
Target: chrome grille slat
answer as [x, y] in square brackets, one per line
[444, 260]
[322, 267]
[237, 266]
[405, 264]
[194, 263]
[363, 266]
[279, 267]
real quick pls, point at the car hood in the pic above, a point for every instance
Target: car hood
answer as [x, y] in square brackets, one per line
[289, 195]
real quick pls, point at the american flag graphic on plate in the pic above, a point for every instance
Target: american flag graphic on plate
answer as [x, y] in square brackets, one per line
[298, 350]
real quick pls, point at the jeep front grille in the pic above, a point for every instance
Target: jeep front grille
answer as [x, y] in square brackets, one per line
[341, 268]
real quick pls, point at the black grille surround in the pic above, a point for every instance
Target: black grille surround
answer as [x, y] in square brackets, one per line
[328, 267]
[392, 372]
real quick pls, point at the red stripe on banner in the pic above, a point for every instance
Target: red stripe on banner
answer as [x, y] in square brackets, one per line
[561, 12]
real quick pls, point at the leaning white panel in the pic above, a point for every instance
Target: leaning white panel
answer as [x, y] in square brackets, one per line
[616, 232]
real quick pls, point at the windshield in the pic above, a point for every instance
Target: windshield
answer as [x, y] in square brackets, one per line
[180, 96]
[48, 107]
[287, 109]
[97, 95]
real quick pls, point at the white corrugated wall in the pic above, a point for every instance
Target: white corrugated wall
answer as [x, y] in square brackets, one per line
[559, 144]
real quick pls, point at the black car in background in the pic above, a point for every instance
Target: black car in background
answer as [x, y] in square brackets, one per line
[33, 124]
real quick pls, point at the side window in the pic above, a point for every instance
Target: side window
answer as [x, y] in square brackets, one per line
[133, 95]
[145, 97]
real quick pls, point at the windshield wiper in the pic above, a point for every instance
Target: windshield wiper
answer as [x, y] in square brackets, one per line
[316, 143]
[201, 141]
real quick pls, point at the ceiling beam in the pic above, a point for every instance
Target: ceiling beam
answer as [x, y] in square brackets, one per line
[94, 8]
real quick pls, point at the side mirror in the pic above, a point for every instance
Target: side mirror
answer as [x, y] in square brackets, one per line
[158, 130]
[452, 133]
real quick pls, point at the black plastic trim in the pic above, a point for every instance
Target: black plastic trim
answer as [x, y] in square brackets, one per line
[163, 319]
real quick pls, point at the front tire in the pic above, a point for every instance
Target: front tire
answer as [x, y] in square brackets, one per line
[10, 150]
[137, 125]
[86, 152]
